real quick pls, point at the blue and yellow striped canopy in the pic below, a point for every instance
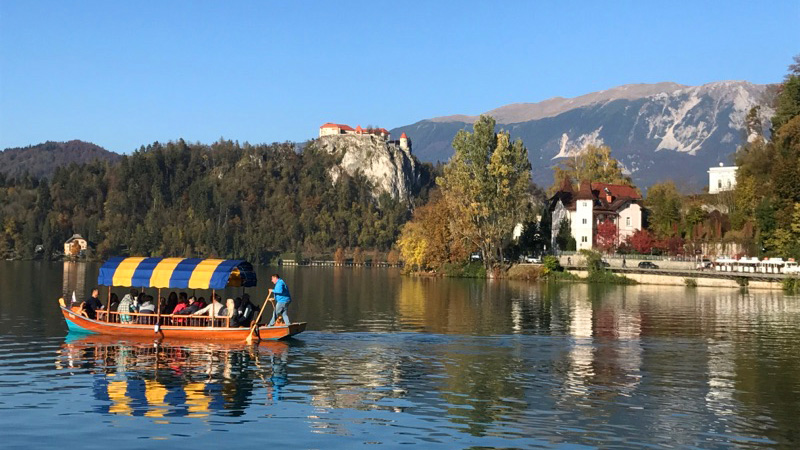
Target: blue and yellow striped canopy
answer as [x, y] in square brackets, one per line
[176, 273]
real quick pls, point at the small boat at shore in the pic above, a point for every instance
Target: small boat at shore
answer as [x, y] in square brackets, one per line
[173, 273]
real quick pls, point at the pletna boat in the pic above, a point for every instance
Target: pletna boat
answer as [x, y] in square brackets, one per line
[173, 273]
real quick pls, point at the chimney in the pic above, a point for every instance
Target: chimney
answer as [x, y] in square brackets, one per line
[609, 197]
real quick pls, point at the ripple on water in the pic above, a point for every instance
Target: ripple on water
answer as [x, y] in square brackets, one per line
[437, 363]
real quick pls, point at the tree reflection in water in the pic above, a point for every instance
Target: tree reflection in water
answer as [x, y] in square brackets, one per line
[490, 362]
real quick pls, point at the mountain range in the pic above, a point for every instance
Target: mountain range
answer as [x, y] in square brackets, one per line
[41, 160]
[658, 132]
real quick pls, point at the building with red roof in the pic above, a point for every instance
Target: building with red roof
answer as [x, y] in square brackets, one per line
[335, 129]
[329, 129]
[592, 204]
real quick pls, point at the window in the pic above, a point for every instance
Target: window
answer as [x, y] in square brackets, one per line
[584, 221]
[584, 239]
[628, 221]
[719, 184]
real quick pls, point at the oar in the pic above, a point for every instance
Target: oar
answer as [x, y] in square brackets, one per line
[255, 323]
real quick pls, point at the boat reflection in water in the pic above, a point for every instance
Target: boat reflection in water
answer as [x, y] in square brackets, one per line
[142, 377]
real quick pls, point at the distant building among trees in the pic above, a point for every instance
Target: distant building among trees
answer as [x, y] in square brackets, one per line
[75, 245]
[721, 179]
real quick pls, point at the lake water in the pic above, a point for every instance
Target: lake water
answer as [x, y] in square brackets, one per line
[389, 360]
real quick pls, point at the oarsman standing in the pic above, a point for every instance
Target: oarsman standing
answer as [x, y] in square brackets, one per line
[282, 300]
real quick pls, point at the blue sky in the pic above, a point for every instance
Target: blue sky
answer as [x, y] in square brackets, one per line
[123, 74]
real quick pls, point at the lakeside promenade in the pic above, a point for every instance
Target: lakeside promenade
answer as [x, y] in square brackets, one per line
[699, 278]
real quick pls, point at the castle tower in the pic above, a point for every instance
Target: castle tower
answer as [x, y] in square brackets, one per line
[405, 143]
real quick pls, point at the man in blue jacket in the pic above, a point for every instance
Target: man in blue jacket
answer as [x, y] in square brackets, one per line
[282, 300]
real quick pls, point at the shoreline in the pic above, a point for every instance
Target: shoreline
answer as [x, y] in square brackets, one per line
[698, 280]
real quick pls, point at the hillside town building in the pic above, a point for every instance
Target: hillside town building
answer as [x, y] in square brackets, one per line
[75, 245]
[590, 206]
[721, 179]
[335, 129]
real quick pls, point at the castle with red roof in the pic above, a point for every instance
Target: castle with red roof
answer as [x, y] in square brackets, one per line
[336, 129]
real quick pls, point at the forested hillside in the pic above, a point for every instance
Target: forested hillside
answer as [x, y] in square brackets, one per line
[224, 200]
[42, 160]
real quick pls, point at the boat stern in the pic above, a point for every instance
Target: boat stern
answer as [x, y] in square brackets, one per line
[281, 332]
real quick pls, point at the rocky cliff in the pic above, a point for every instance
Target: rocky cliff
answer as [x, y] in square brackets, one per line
[657, 131]
[390, 168]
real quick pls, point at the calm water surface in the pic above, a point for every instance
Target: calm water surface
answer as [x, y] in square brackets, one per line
[389, 360]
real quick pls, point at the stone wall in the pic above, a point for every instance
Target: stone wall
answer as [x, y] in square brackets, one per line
[669, 280]
[577, 260]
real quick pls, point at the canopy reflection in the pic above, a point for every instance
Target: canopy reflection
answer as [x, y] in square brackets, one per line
[143, 377]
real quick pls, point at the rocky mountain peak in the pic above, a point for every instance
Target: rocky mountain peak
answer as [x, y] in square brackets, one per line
[523, 112]
[657, 131]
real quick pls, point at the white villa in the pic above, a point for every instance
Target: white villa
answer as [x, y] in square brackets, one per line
[593, 204]
[721, 179]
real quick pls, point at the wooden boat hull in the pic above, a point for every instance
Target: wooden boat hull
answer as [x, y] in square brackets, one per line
[80, 324]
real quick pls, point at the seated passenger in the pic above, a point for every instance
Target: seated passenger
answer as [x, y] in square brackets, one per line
[113, 302]
[147, 306]
[137, 302]
[172, 302]
[92, 304]
[223, 312]
[215, 306]
[182, 303]
[244, 312]
[127, 306]
[232, 308]
[190, 308]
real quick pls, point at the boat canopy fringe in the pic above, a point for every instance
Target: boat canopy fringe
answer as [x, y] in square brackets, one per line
[176, 273]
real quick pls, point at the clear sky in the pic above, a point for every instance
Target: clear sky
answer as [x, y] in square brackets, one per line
[123, 74]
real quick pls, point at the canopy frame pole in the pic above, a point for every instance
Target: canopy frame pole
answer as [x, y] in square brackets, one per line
[212, 307]
[108, 306]
[158, 310]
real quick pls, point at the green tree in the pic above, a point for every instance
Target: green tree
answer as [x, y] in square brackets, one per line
[485, 185]
[564, 235]
[785, 241]
[788, 105]
[786, 170]
[664, 204]
[694, 216]
[745, 200]
[593, 163]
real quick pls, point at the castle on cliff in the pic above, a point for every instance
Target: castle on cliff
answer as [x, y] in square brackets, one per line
[335, 129]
